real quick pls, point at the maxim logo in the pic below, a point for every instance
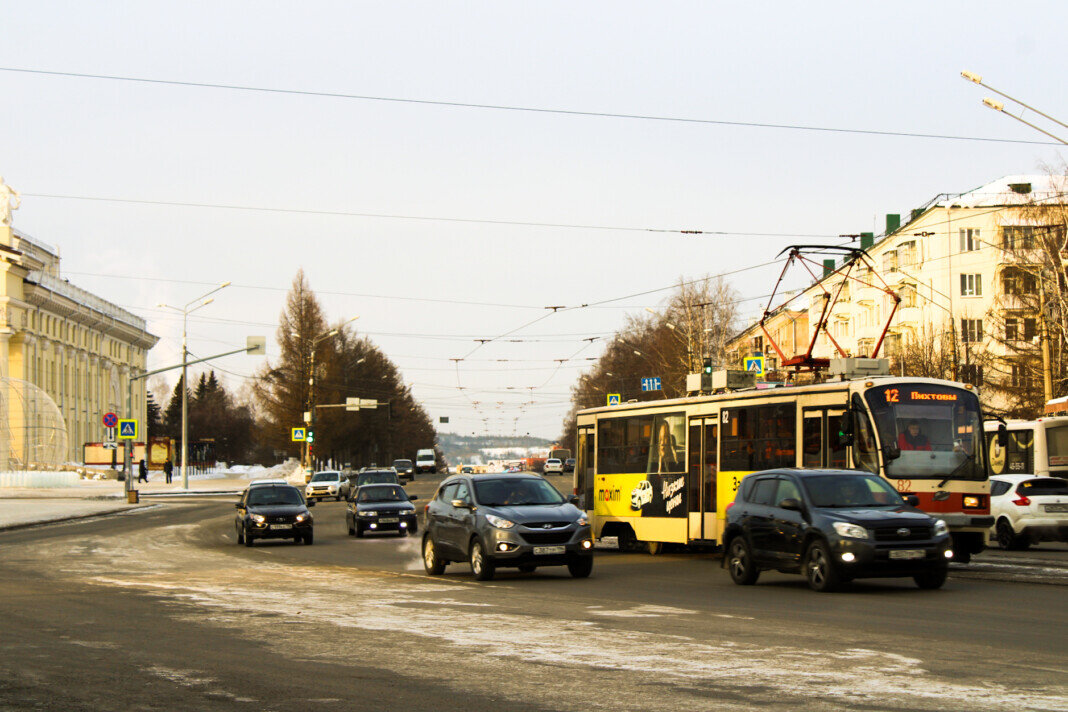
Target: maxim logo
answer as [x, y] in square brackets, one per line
[609, 495]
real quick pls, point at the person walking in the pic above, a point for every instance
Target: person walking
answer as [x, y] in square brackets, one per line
[168, 469]
[142, 471]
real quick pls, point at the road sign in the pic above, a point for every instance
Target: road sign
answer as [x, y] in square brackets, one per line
[614, 399]
[755, 365]
[109, 435]
[110, 420]
[368, 403]
[651, 384]
[111, 446]
[443, 419]
[360, 403]
[298, 435]
[128, 429]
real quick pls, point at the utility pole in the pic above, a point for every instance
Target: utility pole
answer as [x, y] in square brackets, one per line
[1047, 375]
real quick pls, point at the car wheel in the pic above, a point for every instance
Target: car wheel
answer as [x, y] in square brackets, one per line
[433, 564]
[308, 538]
[740, 563]
[481, 565]
[931, 579]
[359, 532]
[248, 539]
[580, 567]
[528, 568]
[820, 570]
[1007, 537]
[352, 528]
[240, 537]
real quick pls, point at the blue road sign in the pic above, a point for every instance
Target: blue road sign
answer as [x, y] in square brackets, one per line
[110, 420]
[614, 399]
[299, 435]
[128, 429]
[651, 384]
[755, 364]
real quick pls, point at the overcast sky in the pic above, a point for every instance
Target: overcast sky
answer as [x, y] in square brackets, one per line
[439, 268]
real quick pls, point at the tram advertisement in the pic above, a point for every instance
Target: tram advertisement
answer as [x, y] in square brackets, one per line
[645, 461]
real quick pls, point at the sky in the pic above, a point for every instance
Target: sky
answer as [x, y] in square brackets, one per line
[446, 171]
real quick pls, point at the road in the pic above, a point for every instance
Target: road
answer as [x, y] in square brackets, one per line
[160, 609]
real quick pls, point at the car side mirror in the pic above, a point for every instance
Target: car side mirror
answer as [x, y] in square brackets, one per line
[411, 498]
[239, 505]
[310, 503]
[791, 504]
[912, 500]
[573, 499]
[1003, 436]
[460, 504]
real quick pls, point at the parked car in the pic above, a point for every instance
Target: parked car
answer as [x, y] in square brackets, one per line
[502, 520]
[554, 466]
[405, 470]
[1028, 509]
[381, 508]
[569, 465]
[832, 526]
[326, 483]
[272, 511]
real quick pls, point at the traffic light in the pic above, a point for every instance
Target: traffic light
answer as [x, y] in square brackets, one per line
[310, 437]
[707, 365]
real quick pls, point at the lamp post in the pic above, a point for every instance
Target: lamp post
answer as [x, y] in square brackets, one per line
[999, 106]
[185, 312]
[311, 383]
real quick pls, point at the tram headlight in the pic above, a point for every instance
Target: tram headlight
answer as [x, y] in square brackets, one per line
[941, 527]
[850, 531]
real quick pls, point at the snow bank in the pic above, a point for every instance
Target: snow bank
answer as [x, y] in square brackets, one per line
[39, 479]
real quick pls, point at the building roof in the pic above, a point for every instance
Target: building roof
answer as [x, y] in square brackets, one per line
[1017, 189]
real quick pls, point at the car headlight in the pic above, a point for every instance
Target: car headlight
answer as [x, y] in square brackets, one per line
[582, 521]
[333, 488]
[941, 527]
[303, 517]
[499, 522]
[850, 531]
[367, 513]
[259, 518]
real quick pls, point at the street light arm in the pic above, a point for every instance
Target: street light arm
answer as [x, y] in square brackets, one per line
[998, 106]
[978, 79]
[213, 291]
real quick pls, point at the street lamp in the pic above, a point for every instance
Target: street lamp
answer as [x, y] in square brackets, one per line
[1000, 106]
[185, 312]
[311, 381]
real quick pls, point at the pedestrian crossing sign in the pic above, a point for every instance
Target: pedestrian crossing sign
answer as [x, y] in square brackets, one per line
[128, 429]
[614, 399]
[299, 435]
[755, 365]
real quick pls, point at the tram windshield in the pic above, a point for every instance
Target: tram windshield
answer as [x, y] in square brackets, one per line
[928, 431]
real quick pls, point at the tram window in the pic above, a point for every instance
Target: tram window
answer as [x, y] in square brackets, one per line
[666, 437]
[710, 467]
[836, 428]
[694, 459]
[864, 451]
[632, 445]
[812, 441]
[760, 437]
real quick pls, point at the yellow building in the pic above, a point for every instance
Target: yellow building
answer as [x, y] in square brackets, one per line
[80, 349]
[788, 327]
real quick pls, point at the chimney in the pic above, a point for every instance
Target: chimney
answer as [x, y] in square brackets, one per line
[893, 222]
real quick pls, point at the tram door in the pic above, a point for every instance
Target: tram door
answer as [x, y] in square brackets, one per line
[703, 460]
[584, 468]
[822, 444]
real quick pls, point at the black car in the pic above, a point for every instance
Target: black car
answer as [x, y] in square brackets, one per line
[505, 520]
[370, 476]
[270, 511]
[381, 508]
[832, 526]
[569, 465]
[405, 470]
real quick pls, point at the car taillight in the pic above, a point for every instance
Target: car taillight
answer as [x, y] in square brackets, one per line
[426, 508]
[728, 507]
[1022, 501]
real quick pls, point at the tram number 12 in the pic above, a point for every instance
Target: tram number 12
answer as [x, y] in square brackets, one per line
[892, 395]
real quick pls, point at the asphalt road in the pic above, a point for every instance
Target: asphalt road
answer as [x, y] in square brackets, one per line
[160, 609]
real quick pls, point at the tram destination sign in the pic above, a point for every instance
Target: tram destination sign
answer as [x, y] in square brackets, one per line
[909, 394]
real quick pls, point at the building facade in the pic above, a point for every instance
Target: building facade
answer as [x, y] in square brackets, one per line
[77, 347]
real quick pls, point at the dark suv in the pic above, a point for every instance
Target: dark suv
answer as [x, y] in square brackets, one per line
[832, 526]
[505, 520]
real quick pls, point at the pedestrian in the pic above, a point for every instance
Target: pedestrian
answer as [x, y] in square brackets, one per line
[142, 471]
[168, 469]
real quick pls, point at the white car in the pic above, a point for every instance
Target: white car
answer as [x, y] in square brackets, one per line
[324, 484]
[642, 494]
[1028, 509]
[554, 466]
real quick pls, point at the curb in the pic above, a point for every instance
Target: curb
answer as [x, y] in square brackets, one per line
[60, 520]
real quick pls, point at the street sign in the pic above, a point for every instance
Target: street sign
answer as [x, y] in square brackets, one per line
[360, 403]
[651, 384]
[128, 429]
[368, 403]
[110, 420]
[109, 435]
[256, 345]
[111, 446]
[614, 399]
[443, 419]
[755, 365]
[298, 435]
[352, 404]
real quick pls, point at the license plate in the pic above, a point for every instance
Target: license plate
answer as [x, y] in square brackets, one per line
[906, 553]
[281, 526]
[1056, 507]
[540, 550]
[389, 520]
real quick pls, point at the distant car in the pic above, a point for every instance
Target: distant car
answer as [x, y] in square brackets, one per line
[324, 484]
[272, 481]
[367, 476]
[1028, 509]
[426, 460]
[569, 465]
[641, 495]
[270, 511]
[405, 470]
[512, 469]
[831, 526]
[494, 521]
[554, 466]
[381, 508]
[467, 470]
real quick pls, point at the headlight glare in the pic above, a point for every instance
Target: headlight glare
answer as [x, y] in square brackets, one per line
[940, 527]
[259, 518]
[368, 513]
[302, 517]
[499, 522]
[850, 531]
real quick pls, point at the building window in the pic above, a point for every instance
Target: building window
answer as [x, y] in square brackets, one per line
[1020, 328]
[971, 330]
[1020, 377]
[890, 261]
[908, 296]
[1018, 237]
[907, 254]
[971, 373]
[971, 285]
[1018, 282]
[892, 346]
[969, 239]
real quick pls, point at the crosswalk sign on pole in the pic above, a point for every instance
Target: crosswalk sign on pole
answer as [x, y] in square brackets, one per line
[128, 429]
[299, 435]
[614, 399]
[755, 365]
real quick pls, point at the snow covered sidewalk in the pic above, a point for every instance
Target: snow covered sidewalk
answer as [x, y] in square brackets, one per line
[16, 513]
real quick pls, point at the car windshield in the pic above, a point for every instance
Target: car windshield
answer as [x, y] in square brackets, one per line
[326, 477]
[402, 463]
[510, 492]
[274, 495]
[382, 494]
[851, 491]
[937, 431]
[377, 477]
